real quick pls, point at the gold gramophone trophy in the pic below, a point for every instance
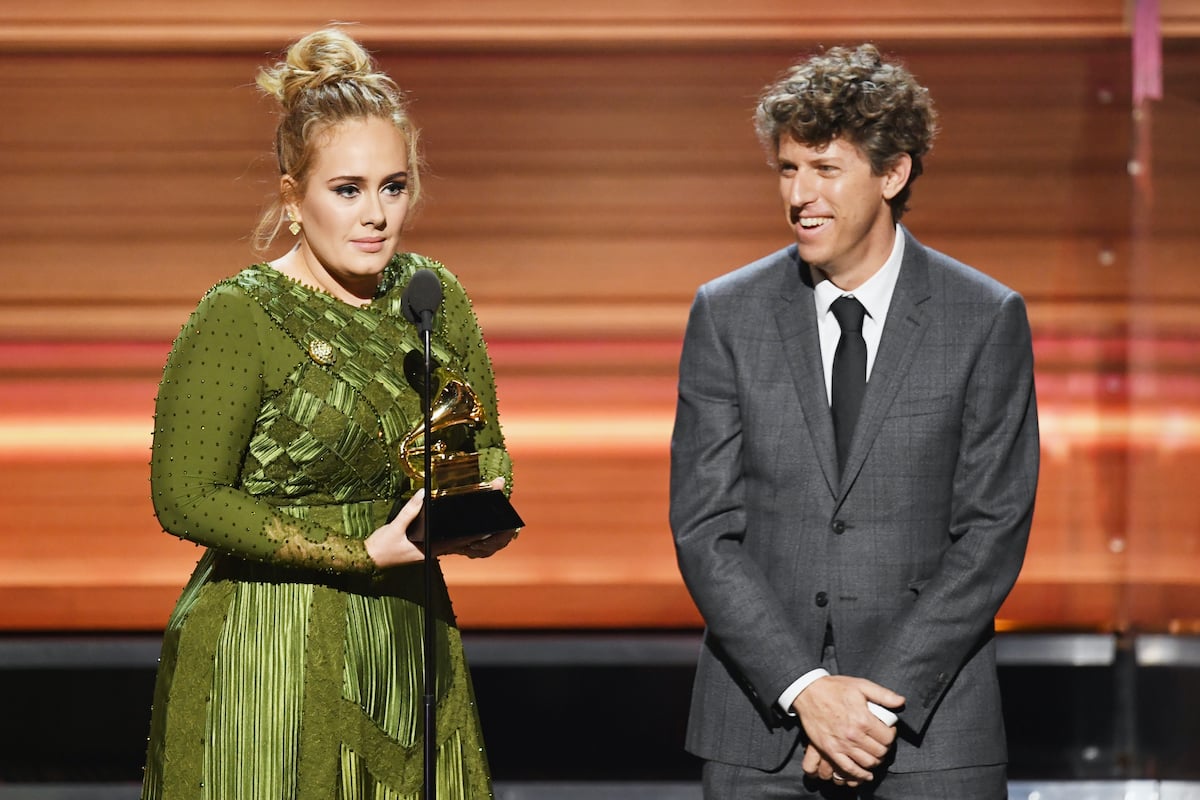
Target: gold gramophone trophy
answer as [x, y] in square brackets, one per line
[461, 503]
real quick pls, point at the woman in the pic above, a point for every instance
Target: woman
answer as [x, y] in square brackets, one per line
[291, 666]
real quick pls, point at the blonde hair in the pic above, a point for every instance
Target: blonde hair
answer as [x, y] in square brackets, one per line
[327, 78]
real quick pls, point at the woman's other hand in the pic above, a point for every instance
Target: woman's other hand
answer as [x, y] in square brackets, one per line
[480, 546]
[390, 545]
[483, 546]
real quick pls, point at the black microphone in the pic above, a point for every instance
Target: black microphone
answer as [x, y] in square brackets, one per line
[421, 298]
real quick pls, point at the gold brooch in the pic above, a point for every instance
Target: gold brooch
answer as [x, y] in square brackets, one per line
[322, 352]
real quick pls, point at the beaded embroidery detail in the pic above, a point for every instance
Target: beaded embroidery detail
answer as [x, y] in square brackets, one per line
[322, 352]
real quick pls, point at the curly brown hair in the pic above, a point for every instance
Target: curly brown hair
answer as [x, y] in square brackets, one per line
[852, 95]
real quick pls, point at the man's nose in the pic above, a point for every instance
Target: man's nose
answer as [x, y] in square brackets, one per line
[800, 191]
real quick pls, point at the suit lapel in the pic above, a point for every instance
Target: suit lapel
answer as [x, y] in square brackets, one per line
[797, 321]
[902, 333]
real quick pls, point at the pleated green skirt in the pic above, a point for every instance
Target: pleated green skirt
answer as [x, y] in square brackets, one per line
[278, 684]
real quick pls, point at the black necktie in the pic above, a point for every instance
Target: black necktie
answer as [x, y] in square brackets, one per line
[849, 373]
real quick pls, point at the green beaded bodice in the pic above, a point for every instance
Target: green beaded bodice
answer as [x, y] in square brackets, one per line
[281, 410]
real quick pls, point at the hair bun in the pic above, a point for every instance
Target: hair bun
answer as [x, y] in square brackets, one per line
[321, 58]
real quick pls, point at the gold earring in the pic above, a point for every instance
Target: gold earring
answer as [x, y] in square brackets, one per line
[295, 226]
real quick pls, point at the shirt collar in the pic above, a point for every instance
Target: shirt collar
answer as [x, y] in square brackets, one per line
[875, 293]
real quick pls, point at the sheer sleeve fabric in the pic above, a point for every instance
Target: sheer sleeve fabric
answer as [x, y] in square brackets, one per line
[208, 402]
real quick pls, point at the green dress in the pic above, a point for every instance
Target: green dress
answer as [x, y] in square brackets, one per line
[292, 666]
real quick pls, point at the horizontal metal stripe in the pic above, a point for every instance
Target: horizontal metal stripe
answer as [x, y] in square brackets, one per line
[599, 649]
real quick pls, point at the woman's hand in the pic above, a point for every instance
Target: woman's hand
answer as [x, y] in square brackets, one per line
[395, 544]
[480, 546]
[390, 545]
[484, 546]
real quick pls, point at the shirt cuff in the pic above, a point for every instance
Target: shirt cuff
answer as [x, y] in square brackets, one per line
[886, 716]
[792, 692]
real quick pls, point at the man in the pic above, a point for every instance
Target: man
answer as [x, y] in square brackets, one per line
[853, 471]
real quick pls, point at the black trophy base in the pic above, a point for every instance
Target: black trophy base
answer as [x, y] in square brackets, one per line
[468, 515]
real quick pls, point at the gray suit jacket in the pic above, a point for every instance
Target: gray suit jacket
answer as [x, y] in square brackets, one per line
[907, 557]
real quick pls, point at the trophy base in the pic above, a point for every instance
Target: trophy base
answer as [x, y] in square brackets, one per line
[468, 515]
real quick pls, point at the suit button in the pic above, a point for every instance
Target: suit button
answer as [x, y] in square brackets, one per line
[822, 599]
[839, 526]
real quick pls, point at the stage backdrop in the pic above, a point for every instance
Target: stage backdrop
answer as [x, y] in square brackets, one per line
[588, 168]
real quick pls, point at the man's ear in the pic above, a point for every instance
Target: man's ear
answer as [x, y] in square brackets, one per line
[895, 177]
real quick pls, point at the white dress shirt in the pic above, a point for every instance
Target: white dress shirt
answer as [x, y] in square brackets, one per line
[876, 296]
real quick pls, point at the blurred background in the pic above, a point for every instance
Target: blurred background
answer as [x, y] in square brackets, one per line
[588, 167]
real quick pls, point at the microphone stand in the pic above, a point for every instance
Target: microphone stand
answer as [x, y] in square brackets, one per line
[418, 303]
[430, 619]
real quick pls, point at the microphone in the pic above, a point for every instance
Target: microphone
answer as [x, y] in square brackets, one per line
[421, 298]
